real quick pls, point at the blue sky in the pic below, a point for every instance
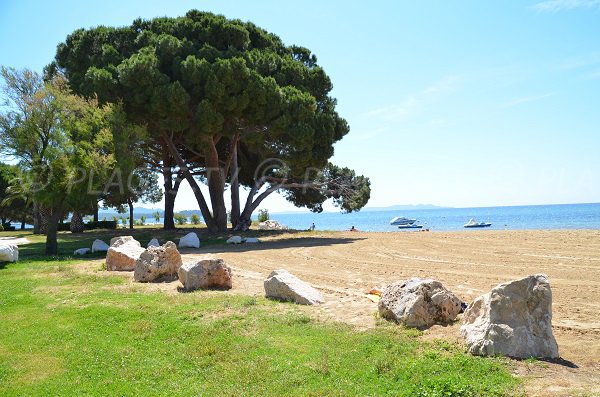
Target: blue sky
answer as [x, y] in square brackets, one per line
[464, 103]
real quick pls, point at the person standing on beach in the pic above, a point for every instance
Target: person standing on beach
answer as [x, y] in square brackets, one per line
[312, 227]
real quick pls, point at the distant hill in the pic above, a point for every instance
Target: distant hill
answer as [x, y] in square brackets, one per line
[404, 207]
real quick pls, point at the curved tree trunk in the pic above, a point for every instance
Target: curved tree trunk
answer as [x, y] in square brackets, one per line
[52, 231]
[77, 225]
[235, 190]
[170, 190]
[44, 215]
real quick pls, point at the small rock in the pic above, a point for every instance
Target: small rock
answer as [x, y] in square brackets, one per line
[99, 246]
[153, 243]
[419, 303]
[123, 253]
[283, 285]
[234, 240]
[205, 274]
[190, 240]
[252, 240]
[514, 319]
[118, 241]
[81, 251]
[157, 262]
[9, 253]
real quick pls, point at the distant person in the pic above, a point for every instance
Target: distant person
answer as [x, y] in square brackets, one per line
[353, 229]
[312, 227]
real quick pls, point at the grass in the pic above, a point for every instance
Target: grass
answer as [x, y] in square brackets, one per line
[69, 331]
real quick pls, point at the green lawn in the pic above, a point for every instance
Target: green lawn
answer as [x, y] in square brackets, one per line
[68, 328]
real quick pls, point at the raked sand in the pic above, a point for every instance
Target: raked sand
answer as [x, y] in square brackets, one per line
[345, 265]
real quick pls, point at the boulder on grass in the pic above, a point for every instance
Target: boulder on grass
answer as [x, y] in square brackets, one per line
[190, 240]
[514, 319]
[234, 240]
[251, 240]
[157, 262]
[9, 253]
[81, 251]
[118, 241]
[123, 253]
[205, 274]
[283, 285]
[153, 243]
[100, 246]
[419, 303]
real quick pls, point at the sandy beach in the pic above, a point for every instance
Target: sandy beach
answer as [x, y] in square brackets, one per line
[344, 265]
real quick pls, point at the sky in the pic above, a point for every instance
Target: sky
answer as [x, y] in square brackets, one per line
[461, 104]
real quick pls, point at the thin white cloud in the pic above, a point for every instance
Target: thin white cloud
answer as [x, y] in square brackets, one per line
[526, 99]
[566, 5]
[414, 104]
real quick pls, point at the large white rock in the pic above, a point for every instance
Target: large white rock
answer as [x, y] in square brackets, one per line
[283, 285]
[419, 303]
[205, 274]
[99, 246]
[190, 240]
[271, 225]
[9, 253]
[117, 241]
[157, 262]
[514, 319]
[81, 251]
[251, 240]
[153, 243]
[123, 253]
[234, 240]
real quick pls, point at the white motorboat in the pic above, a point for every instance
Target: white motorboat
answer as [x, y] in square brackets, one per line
[410, 227]
[473, 223]
[401, 221]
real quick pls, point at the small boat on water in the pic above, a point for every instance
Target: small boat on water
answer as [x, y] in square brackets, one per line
[410, 227]
[401, 220]
[473, 223]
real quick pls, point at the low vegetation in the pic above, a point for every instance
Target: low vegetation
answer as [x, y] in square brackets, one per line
[69, 328]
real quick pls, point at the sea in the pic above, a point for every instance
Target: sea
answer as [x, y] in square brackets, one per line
[564, 216]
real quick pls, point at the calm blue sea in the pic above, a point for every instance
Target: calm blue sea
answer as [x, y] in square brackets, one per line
[568, 216]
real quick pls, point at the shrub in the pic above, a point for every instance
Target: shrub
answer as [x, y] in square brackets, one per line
[195, 219]
[180, 219]
[263, 215]
[1, 228]
[157, 216]
[143, 220]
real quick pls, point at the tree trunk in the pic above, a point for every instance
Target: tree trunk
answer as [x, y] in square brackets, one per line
[22, 225]
[216, 188]
[170, 189]
[36, 219]
[96, 210]
[235, 190]
[52, 232]
[130, 203]
[77, 225]
[44, 213]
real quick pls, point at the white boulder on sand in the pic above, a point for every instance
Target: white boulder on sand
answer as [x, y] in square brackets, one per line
[123, 253]
[419, 303]
[283, 285]
[99, 246]
[514, 319]
[234, 240]
[153, 243]
[117, 241]
[190, 240]
[157, 262]
[205, 274]
[251, 240]
[81, 251]
[9, 252]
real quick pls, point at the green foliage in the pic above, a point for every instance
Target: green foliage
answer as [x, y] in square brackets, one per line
[157, 216]
[263, 215]
[180, 219]
[195, 219]
[143, 220]
[1, 227]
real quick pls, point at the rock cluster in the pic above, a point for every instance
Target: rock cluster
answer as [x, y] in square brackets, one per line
[157, 262]
[271, 225]
[514, 319]
[283, 285]
[123, 253]
[419, 303]
[205, 274]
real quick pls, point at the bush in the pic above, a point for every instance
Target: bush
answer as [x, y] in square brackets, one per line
[143, 220]
[263, 215]
[180, 219]
[1, 227]
[195, 219]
